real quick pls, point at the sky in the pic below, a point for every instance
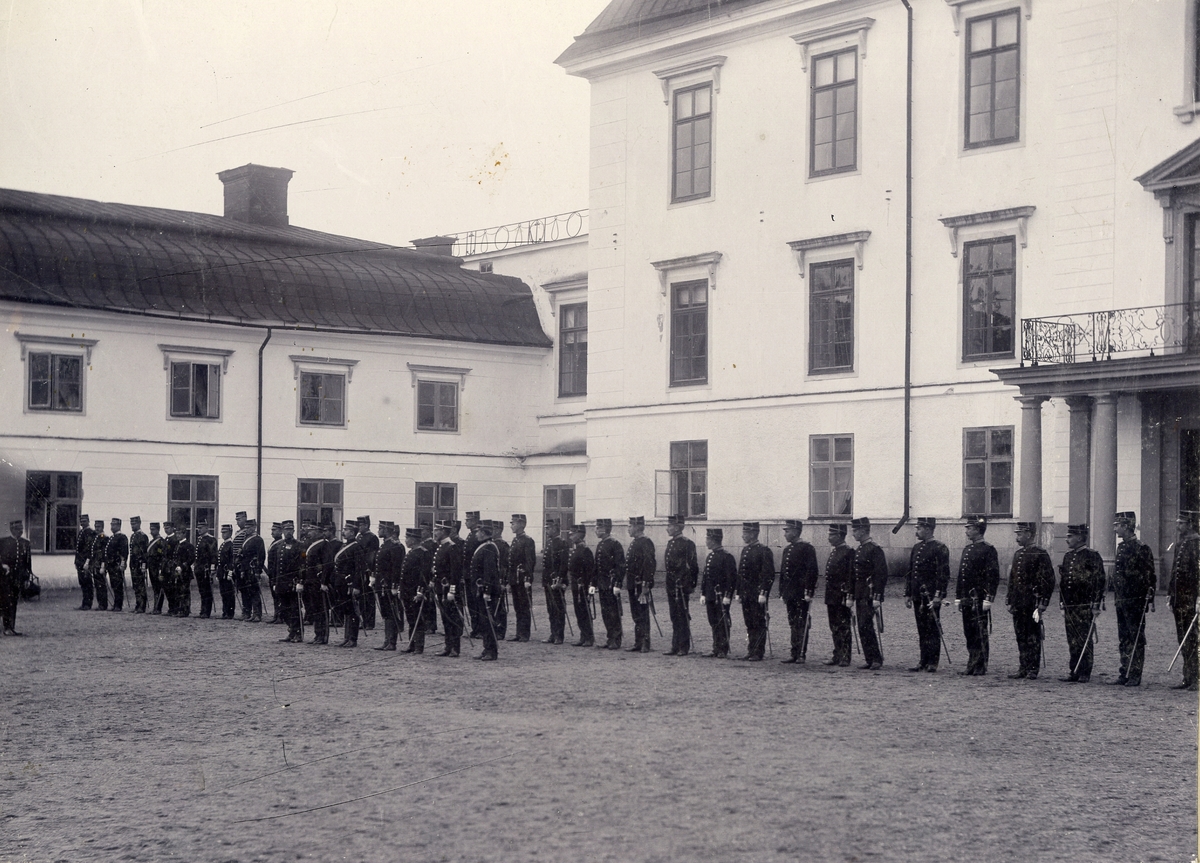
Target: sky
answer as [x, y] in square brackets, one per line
[401, 119]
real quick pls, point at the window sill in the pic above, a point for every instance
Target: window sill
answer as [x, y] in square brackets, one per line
[194, 419]
[691, 202]
[687, 385]
[55, 412]
[978, 360]
[833, 175]
[304, 425]
[998, 147]
[439, 431]
[1186, 113]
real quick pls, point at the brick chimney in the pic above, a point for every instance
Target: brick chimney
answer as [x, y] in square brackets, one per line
[256, 194]
[436, 245]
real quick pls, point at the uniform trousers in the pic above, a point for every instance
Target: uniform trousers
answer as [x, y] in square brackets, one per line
[289, 609]
[488, 632]
[583, 616]
[975, 633]
[522, 609]
[611, 611]
[157, 587]
[928, 621]
[500, 614]
[452, 624]
[639, 609]
[839, 629]
[415, 610]
[10, 592]
[798, 623]
[99, 586]
[868, 638]
[137, 574]
[755, 617]
[347, 604]
[85, 585]
[475, 610]
[392, 612]
[251, 592]
[681, 623]
[228, 595]
[116, 580]
[367, 608]
[317, 600]
[1131, 635]
[556, 610]
[183, 593]
[719, 620]
[1078, 619]
[431, 616]
[204, 586]
[1184, 612]
[1028, 643]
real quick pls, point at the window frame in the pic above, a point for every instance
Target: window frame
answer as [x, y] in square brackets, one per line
[429, 515]
[336, 510]
[689, 313]
[965, 277]
[686, 476]
[831, 464]
[322, 373]
[564, 514]
[214, 373]
[988, 460]
[437, 389]
[193, 503]
[967, 54]
[44, 520]
[563, 331]
[675, 124]
[849, 265]
[54, 357]
[835, 86]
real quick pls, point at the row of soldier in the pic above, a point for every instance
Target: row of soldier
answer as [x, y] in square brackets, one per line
[467, 583]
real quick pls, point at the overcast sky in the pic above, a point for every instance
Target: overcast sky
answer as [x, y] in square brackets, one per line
[401, 119]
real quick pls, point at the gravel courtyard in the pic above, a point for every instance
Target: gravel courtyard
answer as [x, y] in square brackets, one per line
[155, 739]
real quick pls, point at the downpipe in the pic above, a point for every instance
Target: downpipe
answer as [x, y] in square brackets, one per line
[259, 472]
[908, 288]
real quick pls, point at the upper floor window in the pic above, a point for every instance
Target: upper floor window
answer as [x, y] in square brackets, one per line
[322, 398]
[989, 272]
[572, 350]
[55, 381]
[834, 134]
[831, 475]
[993, 79]
[831, 316]
[196, 390]
[437, 406]
[692, 115]
[689, 333]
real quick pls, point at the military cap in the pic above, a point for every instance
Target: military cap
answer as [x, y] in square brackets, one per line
[1128, 517]
[83, 519]
[605, 523]
[676, 519]
[519, 518]
[457, 525]
[750, 526]
[115, 521]
[977, 520]
[288, 524]
[637, 521]
[241, 514]
[351, 523]
[550, 520]
[860, 522]
[156, 524]
[485, 526]
[224, 527]
[471, 516]
[1029, 526]
[794, 524]
[926, 521]
[580, 529]
[16, 522]
[100, 523]
[412, 533]
[277, 524]
[1189, 517]
[166, 524]
[715, 533]
[497, 526]
[363, 519]
[202, 523]
[838, 527]
[1077, 530]
[444, 524]
[135, 519]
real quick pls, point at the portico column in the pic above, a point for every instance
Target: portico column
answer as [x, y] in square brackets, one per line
[1031, 459]
[1104, 496]
[1079, 496]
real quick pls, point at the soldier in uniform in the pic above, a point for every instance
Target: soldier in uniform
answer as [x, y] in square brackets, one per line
[96, 564]
[975, 591]
[522, 561]
[798, 574]
[289, 581]
[870, 581]
[1184, 594]
[389, 564]
[839, 586]
[925, 590]
[682, 569]
[1081, 583]
[756, 574]
[554, 581]
[468, 546]
[581, 570]
[1133, 595]
[83, 551]
[415, 590]
[184, 558]
[167, 575]
[251, 557]
[1030, 586]
[273, 568]
[431, 606]
[316, 586]
[717, 586]
[370, 544]
[610, 565]
[205, 567]
[349, 577]
[500, 618]
[486, 584]
[448, 586]
[156, 566]
[640, 564]
[138, 543]
[116, 555]
[225, 580]
[16, 567]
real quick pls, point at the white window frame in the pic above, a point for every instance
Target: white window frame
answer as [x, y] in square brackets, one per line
[323, 366]
[686, 76]
[455, 375]
[823, 250]
[567, 292]
[56, 346]
[963, 11]
[832, 464]
[196, 356]
[675, 271]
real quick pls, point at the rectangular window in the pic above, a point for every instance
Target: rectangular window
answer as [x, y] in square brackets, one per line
[989, 278]
[559, 502]
[55, 381]
[834, 133]
[988, 471]
[831, 316]
[191, 500]
[689, 333]
[693, 143]
[1191, 285]
[196, 390]
[572, 350]
[689, 478]
[437, 406]
[436, 501]
[319, 501]
[52, 502]
[831, 472]
[993, 79]
[322, 399]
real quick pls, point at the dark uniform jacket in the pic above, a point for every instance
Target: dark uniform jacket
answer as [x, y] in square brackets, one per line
[314, 560]
[610, 563]
[928, 571]
[96, 555]
[554, 560]
[273, 562]
[485, 569]
[798, 571]
[370, 545]
[16, 554]
[116, 552]
[870, 571]
[206, 552]
[290, 564]
[349, 569]
[415, 571]
[1081, 578]
[720, 575]
[156, 554]
[83, 547]
[679, 561]
[183, 556]
[839, 574]
[170, 545]
[1133, 572]
[447, 568]
[978, 572]
[138, 543]
[581, 568]
[639, 565]
[522, 560]
[505, 552]
[252, 556]
[756, 571]
[389, 564]
[1031, 579]
[1185, 573]
[468, 547]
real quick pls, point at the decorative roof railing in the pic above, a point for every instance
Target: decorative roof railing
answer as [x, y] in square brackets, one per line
[1145, 330]
[531, 232]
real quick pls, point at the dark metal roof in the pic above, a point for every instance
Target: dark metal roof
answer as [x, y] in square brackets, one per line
[118, 257]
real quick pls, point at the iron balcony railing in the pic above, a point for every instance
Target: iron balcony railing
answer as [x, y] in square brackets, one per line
[546, 229]
[1142, 331]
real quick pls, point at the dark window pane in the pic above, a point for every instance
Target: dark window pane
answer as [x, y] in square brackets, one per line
[68, 383]
[68, 485]
[181, 489]
[180, 388]
[974, 501]
[331, 492]
[567, 498]
[975, 474]
[309, 491]
[206, 489]
[843, 449]
[446, 496]
[975, 443]
[552, 498]
[820, 449]
[200, 391]
[1002, 443]
[1002, 474]
[424, 495]
[1001, 502]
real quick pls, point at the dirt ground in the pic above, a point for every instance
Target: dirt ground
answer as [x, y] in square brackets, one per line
[149, 738]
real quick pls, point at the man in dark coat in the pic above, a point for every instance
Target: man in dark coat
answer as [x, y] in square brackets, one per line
[83, 552]
[1081, 583]
[581, 571]
[1183, 593]
[183, 556]
[975, 591]
[925, 591]
[349, 578]
[251, 558]
[468, 545]
[682, 570]
[116, 555]
[500, 617]
[156, 566]
[225, 573]
[1030, 586]
[1134, 583]
[756, 575]
[798, 574]
[389, 564]
[289, 581]
[554, 580]
[370, 545]
[640, 564]
[316, 585]
[839, 592]
[717, 586]
[870, 581]
[449, 586]
[522, 561]
[415, 590]
[96, 564]
[16, 567]
[205, 567]
[168, 576]
[485, 582]
[138, 543]
[610, 569]
[273, 568]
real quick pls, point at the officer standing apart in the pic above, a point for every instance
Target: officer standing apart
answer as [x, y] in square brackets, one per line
[716, 590]
[485, 581]
[138, 543]
[206, 566]
[16, 568]
[83, 551]
[581, 570]
[1184, 594]
[1133, 595]
[610, 564]
[1030, 586]
[756, 574]
[682, 568]
[925, 589]
[1080, 592]
[522, 561]
[870, 581]
[975, 591]
[798, 573]
[839, 586]
[116, 554]
[640, 563]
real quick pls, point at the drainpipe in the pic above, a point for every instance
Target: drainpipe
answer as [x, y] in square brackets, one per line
[258, 499]
[908, 220]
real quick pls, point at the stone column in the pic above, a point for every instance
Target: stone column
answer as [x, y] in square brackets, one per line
[1080, 491]
[1030, 502]
[1104, 495]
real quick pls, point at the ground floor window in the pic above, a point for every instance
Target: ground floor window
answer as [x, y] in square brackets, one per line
[191, 500]
[831, 475]
[988, 471]
[319, 501]
[436, 501]
[52, 502]
[559, 502]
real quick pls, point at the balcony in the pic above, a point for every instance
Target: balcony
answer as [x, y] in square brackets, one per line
[532, 232]
[1145, 331]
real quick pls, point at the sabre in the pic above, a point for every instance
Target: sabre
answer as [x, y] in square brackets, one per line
[1138, 636]
[419, 620]
[937, 623]
[807, 630]
[1087, 642]
[770, 647]
[1182, 642]
[650, 600]
[854, 627]
[561, 590]
[879, 618]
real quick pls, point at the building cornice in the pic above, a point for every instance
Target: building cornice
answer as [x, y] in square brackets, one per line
[1130, 375]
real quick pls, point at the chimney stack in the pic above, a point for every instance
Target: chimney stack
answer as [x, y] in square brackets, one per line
[436, 245]
[256, 194]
